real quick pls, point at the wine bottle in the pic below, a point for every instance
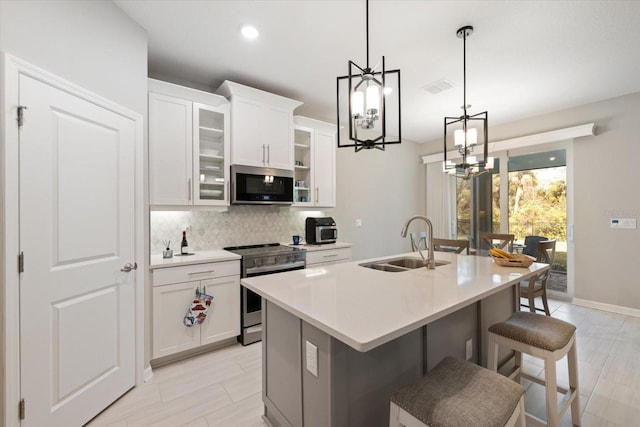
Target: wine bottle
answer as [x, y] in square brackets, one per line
[184, 246]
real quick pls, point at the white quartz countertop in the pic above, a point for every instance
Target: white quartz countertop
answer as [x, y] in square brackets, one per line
[199, 257]
[365, 308]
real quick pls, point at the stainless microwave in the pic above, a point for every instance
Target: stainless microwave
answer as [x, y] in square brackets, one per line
[261, 186]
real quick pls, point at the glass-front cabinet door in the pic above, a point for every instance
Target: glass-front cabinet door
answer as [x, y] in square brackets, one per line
[211, 154]
[303, 187]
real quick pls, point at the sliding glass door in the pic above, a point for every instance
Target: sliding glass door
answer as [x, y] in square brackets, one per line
[538, 204]
[525, 195]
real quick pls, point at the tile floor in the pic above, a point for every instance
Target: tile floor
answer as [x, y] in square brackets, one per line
[223, 387]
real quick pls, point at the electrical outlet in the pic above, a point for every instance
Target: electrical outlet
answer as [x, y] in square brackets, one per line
[469, 349]
[358, 222]
[311, 352]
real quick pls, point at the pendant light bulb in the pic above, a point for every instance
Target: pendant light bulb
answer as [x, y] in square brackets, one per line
[489, 164]
[373, 99]
[458, 138]
[472, 137]
[357, 103]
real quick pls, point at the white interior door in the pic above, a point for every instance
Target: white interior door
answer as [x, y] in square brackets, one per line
[76, 233]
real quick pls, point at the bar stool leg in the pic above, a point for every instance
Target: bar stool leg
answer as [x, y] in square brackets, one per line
[544, 301]
[551, 391]
[522, 417]
[572, 360]
[492, 354]
[518, 367]
[532, 303]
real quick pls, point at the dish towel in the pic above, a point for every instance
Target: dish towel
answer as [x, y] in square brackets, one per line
[197, 311]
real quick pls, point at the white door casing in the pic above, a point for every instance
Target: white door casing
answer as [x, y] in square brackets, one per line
[77, 227]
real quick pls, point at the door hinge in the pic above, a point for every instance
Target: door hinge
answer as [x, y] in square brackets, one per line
[21, 409]
[21, 262]
[21, 109]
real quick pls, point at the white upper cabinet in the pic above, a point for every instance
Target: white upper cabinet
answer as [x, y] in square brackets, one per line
[315, 163]
[261, 127]
[170, 136]
[188, 146]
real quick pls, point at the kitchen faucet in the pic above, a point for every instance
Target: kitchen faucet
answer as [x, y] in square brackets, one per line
[431, 263]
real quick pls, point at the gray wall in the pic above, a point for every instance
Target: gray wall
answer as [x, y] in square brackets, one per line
[605, 185]
[90, 43]
[383, 189]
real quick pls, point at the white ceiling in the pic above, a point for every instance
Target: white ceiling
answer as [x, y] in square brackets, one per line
[524, 58]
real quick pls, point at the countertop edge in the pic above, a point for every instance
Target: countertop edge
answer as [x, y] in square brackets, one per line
[201, 257]
[364, 346]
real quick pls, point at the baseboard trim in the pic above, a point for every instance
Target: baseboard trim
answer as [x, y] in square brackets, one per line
[627, 311]
[148, 373]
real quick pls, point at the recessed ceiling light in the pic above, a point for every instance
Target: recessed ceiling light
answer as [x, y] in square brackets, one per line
[249, 32]
[552, 159]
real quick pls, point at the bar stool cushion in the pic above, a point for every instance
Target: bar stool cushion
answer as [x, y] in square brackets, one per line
[459, 393]
[536, 330]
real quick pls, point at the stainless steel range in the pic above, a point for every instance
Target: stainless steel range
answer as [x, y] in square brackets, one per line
[258, 260]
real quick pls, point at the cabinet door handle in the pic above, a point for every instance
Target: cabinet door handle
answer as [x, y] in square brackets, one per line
[264, 146]
[268, 154]
[201, 272]
[317, 194]
[189, 189]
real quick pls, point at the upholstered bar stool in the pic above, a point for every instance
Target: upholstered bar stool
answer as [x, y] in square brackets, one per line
[458, 393]
[548, 339]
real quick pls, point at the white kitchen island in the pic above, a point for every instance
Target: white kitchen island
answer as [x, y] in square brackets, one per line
[338, 339]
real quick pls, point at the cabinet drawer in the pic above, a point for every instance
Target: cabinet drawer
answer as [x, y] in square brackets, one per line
[328, 256]
[187, 273]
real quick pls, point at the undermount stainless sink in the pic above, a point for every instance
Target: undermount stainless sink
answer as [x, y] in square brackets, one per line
[385, 267]
[397, 265]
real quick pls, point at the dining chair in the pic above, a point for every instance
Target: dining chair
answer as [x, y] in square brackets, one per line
[531, 245]
[537, 287]
[495, 240]
[447, 245]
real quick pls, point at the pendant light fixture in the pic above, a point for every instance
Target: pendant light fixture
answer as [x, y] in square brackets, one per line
[469, 131]
[371, 97]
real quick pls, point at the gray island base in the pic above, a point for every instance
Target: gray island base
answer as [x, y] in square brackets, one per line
[333, 356]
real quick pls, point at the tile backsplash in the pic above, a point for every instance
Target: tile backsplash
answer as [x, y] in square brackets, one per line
[240, 225]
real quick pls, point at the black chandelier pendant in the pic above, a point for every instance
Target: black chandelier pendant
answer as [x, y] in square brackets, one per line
[365, 94]
[469, 131]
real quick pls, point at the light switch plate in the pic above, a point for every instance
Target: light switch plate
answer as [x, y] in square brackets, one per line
[627, 223]
[311, 352]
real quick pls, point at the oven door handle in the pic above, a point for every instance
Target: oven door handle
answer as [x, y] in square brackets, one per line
[280, 267]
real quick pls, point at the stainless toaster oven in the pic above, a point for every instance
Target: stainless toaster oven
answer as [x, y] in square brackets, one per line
[320, 230]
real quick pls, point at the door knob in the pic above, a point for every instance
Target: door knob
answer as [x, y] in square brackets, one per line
[128, 267]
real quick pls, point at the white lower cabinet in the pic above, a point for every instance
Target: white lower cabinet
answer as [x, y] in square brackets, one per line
[320, 257]
[173, 290]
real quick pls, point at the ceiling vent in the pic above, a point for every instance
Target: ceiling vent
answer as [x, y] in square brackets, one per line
[438, 86]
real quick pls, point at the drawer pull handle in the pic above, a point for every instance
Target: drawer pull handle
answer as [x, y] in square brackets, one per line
[330, 255]
[202, 272]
